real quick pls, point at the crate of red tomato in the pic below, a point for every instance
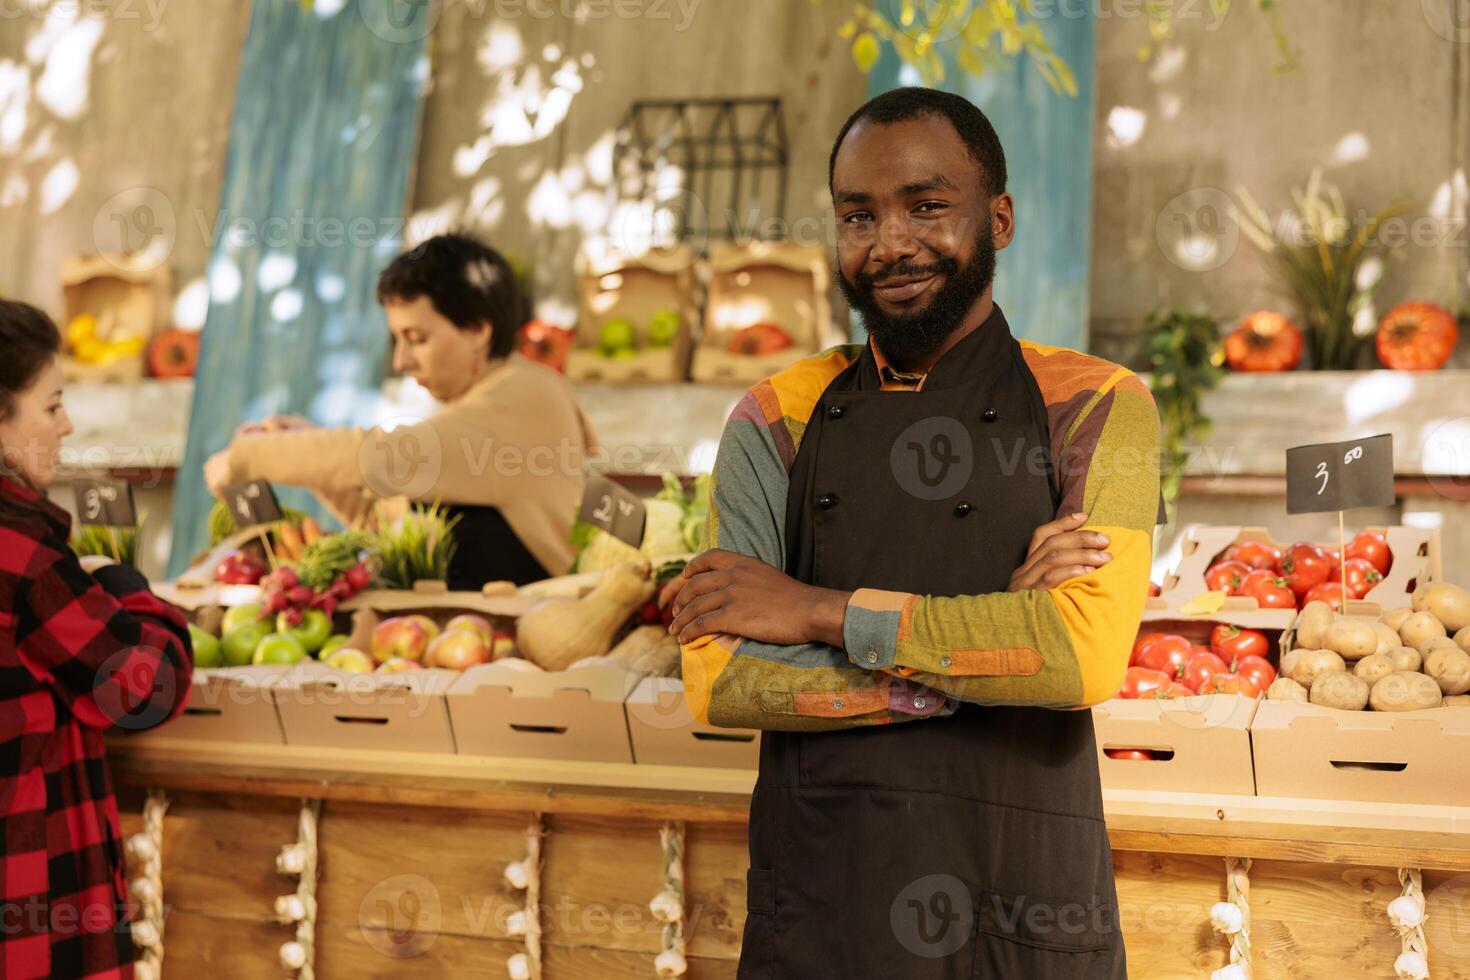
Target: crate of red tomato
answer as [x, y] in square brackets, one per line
[1257, 581]
[1182, 721]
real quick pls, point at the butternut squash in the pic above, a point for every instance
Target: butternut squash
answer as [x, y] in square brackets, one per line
[647, 650]
[554, 633]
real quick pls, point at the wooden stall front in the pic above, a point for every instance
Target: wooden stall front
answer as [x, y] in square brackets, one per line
[413, 849]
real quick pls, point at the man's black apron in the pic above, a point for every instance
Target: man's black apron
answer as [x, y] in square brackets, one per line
[964, 847]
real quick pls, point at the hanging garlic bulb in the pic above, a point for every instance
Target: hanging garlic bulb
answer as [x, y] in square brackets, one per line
[290, 908]
[291, 860]
[1232, 972]
[666, 906]
[145, 934]
[293, 955]
[143, 890]
[1226, 917]
[516, 924]
[517, 875]
[1406, 913]
[141, 847]
[519, 967]
[145, 970]
[670, 963]
[1411, 965]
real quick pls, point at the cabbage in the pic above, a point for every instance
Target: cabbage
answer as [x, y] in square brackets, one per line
[662, 535]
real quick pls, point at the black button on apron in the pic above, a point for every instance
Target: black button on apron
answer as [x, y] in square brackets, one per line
[989, 415]
[827, 501]
[962, 508]
[836, 412]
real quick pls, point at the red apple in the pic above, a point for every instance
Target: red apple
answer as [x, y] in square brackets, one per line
[431, 628]
[478, 625]
[351, 661]
[398, 665]
[458, 650]
[401, 636]
[504, 646]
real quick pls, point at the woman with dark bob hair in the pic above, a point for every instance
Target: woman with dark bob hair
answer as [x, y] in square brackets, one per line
[83, 650]
[504, 452]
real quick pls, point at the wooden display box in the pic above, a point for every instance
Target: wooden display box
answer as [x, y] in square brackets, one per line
[129, 295]
[227, 704]
[321, 706]
[611, 284]
[762, 282]
[664, 733]
[1307, 750]
[514, 708]
[1416, 558]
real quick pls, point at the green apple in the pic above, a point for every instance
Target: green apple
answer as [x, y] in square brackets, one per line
[663, 328]
[617, 334]
[237, 616]
[350, 660]
[333, 644]
[239, 645]
[280, 648]
[313, 631]
[206, 647]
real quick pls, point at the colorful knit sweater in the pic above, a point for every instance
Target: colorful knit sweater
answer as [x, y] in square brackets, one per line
[1062, 648]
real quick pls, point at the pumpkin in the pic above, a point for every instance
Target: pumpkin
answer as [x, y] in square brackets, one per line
[554, 633]
[1417, 337]
[1264, 341]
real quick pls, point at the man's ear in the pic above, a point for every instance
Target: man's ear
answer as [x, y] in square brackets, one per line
[1003, 220]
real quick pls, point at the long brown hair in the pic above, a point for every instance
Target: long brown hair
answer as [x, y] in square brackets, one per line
[28, 342]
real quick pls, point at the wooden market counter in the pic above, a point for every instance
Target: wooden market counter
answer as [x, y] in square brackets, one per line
[413, 847]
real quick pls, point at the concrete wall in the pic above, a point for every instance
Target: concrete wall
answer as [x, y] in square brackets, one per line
[1378, 102]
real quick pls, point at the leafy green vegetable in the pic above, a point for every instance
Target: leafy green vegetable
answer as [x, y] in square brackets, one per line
[89, 539]
[417, 548]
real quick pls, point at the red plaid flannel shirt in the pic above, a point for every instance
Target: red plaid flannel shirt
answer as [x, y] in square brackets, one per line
[79, 655]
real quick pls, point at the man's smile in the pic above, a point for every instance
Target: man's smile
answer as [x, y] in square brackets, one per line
[903, 290]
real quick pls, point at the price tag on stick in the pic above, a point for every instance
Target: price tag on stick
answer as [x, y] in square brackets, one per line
[253, 504]
[1332, 476]
[105, 503]
[615, 509]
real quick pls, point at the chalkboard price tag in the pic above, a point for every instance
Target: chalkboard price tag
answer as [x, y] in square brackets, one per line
[105, 503]
[253, 504]
[615, 509]
[1332, 476]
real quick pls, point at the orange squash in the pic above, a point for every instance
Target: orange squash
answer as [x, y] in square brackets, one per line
[1417, 337]
[1264, 341]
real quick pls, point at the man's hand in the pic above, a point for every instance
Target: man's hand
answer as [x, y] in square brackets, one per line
[724, 592]
[275, 423]
[217, 472]
[1059, 551]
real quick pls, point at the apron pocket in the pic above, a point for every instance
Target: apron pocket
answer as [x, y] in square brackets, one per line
[1062, 925]
[760, 892]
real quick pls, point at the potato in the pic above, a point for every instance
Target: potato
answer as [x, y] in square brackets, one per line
[1339, 689]
[1352, 639]
[1450, 668]
[1406, 658]
[1286, 689]
[1449, 604]
[1290, 658]
[1373, 668]
[1420, 628]
[1388, 638]
[1404, 691]
[1394, 618]
[1313, 664]
[1438, 643]
[1463, 638]
[1312, 624]
[1456, 701]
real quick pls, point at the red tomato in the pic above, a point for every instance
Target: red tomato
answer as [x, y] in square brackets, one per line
[1138, 681]
[1271, 593]
[1257, 554]
[1255, 578]
[1257, 670]
[1230, 684]
[1199, 670]
[1153, 590]
[1328, 592]
[1139, 755]
[1226, 576]
[1303, 570]
[1333, 556]
[1168, 693]
[1305, 548]
[1166, 654]
[1361, 576]
[1231, 643]
[1144, 639]
[1372, 547]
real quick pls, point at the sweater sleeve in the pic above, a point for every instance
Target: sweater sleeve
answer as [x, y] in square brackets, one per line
[1065, 647]
[735, 682]
[115, 654]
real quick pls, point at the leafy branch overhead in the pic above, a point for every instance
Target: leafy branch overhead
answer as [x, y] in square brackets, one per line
[979, 35]
[1184, 359]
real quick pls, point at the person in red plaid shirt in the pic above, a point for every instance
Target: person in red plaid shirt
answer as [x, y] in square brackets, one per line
[80, 653]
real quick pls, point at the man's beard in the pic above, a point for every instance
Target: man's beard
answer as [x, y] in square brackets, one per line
[910, 337]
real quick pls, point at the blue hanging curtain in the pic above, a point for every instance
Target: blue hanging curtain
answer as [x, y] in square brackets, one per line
[1041, 279]
[322, 146]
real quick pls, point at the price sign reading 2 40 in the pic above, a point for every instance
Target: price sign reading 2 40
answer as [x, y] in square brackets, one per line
[1340, 475]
